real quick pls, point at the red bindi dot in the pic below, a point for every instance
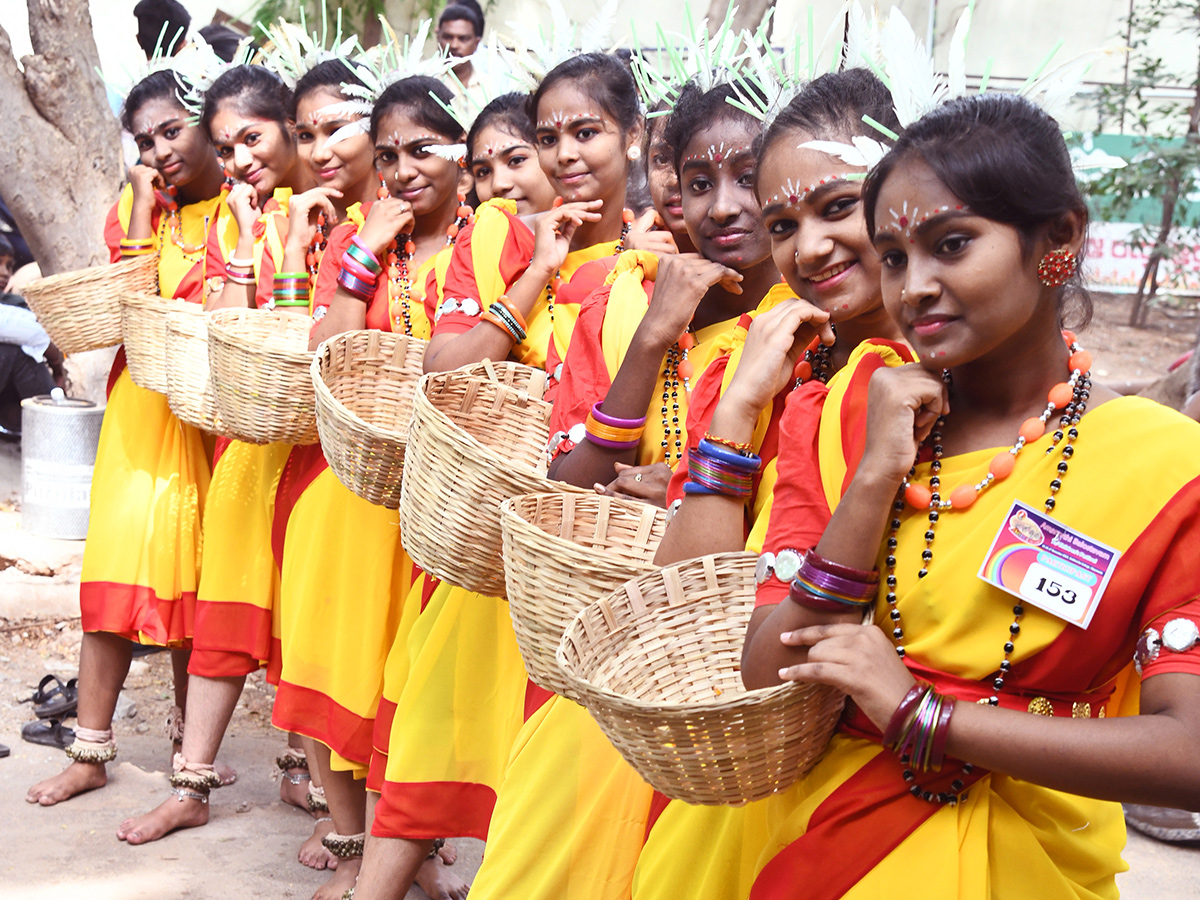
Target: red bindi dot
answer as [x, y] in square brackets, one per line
[718, 158]
[904, 221]
[793, 198]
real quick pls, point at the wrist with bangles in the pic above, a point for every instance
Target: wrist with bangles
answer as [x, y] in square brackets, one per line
[611, 432]
[290, 289]
[918, 730]
[720, 467]
[825, 586]
[137, 246]
[504, 314]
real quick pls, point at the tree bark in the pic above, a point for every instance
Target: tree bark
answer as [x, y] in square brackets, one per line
[62, 138]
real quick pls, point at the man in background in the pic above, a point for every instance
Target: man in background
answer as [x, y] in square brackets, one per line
[161, 18]
[459, 30]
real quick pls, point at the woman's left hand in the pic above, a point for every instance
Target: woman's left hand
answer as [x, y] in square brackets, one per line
[650, 234]
[858, 659]
[646, 483]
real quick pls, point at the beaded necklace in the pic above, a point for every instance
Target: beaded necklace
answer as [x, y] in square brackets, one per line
[556, 282]
[1071, 396]
[400, 299]
[316, 248]
[192, 252]
[677, 366]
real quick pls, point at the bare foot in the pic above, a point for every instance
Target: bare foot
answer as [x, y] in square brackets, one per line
[227, 775]
[436, 880]
[343, 879]
[174, 812]
[295, 794]
[449, 853]
[313, 853]
[74, 779]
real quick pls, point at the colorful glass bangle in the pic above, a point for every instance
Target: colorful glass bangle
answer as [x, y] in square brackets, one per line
[610, 445]
[630, 436]
[364, 254]
[130, 251]
[746, 449]
[356, 287]
[941, 731]
[358, 270]
[505, 325]
[612, 421]
[291, 276]
[811, 596]
[511, 324]
[292, 302]
[836, 584]
[137, 244]
[289, 295]
[904, 711]
[238, 278]
[864, 575]
[695, 487]
[726, 479]
[725, 455]
[512, 308]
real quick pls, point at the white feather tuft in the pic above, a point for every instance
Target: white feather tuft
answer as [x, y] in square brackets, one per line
[451, 152]
[957, 75]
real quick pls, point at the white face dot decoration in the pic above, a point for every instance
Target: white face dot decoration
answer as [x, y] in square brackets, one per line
[906, 220]
[717, 154]
[791, 193]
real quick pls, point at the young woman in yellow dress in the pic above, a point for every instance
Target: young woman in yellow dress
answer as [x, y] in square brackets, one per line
[820, 243]
[572, 815]
[236, 625]
[449, 742]
[141, 562]
[981, 512]
[345, 577]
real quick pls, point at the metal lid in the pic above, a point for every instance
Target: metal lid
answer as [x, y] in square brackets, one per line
[45, 400]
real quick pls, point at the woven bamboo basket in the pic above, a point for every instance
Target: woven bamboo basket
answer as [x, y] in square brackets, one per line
[657, 663]
[144, 333]
[260, 365]
[478, 436]
[190, 391]
[81, 310]
[563, 552]
[364, 383]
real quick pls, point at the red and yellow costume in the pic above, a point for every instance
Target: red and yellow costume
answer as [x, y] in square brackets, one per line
[851, 828]
[345, 576]
[236, 621]
[141, 563]
[572, 816]
[464, 691]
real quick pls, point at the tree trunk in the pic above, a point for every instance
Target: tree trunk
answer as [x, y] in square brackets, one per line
[750, 13]
[62, 139]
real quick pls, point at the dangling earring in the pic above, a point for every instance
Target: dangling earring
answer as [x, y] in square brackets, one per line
[634, 153]
[383, 192]
[1057, 267]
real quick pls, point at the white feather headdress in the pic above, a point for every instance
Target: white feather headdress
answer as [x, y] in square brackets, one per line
[537, 50]
[292, 51]
[691, 56]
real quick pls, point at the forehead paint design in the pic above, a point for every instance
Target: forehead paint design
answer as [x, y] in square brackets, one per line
[906, 221]
[499, 149]
[346, 109]
[717, 154]
[791, 193]
[145, 126]
[395, 140]
[560, 119]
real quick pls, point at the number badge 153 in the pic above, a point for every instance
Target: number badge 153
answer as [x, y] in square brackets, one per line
[1049, 565]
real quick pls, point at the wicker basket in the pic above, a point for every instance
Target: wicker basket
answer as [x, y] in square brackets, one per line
[473, 443]
[81, 310]
[657, 665]
[364, 383]
[144, 333]
[563, 552]
[190, 391]
[260, 371]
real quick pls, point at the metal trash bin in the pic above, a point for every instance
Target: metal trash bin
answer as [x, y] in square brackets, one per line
[59, 437]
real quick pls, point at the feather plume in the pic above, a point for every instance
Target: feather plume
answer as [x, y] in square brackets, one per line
[596, 35]
[862, 38]
[1054, 90]
[863, 151]
[911, 76]
[957, 76]
[451, 152]
[692, 56]
[765, 83]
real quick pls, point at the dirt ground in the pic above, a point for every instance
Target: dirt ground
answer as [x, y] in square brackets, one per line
[249, 847]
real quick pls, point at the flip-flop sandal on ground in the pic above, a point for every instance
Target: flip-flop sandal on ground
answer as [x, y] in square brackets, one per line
[49, 733]
[60, 701]
[4, 751]
[1175, 826]
[47, 688]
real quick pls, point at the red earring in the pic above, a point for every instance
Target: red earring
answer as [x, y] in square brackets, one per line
[382, 193]
[1057, 267]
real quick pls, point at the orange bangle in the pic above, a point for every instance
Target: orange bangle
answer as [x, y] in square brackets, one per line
[745, 449]
[492, 319]
[512, 308]
[611, 433]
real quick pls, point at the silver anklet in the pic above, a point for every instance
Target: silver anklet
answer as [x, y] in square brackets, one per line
[184, 793]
